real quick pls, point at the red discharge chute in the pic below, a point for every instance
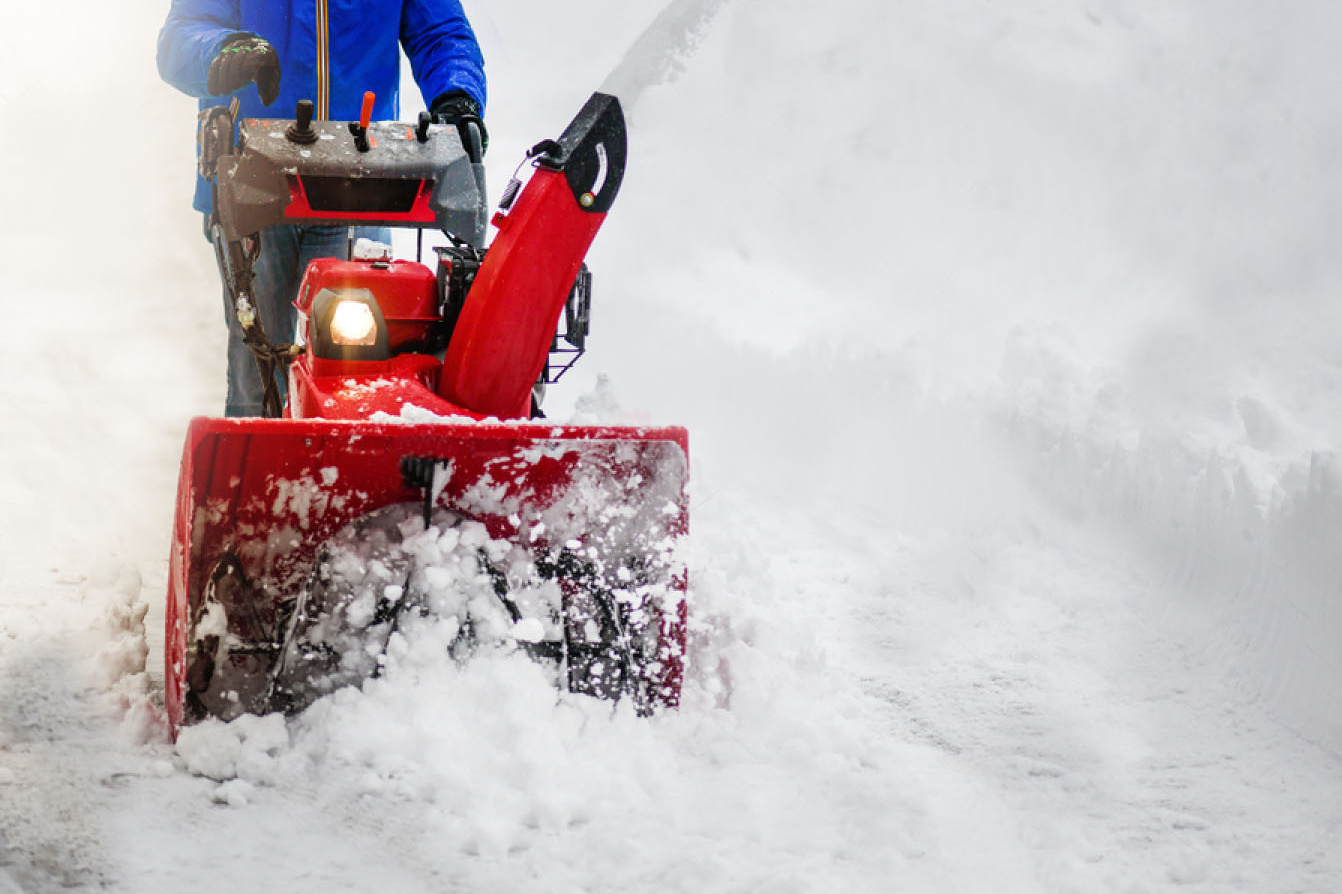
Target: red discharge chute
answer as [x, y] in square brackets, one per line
[526, 276]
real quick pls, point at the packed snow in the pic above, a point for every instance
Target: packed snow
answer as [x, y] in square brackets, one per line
[1006, 336]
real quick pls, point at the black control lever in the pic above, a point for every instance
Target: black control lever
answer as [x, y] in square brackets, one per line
[301, 130]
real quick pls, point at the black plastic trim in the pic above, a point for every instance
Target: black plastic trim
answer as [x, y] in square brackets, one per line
[592, 153]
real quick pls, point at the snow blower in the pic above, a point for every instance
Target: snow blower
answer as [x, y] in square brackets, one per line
[404, 478]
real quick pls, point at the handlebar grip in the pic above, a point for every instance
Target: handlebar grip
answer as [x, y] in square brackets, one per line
[472, 140]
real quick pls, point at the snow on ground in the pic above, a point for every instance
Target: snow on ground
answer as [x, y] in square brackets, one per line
[1006, 338]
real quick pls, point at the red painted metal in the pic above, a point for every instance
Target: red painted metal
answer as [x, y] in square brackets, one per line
[506, 328]
[337, 389]
[407, 292]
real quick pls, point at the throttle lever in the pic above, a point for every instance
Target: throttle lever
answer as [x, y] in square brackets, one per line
[360, 130]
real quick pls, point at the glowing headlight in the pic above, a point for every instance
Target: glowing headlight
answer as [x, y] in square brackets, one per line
[353, 323]
[347, 324]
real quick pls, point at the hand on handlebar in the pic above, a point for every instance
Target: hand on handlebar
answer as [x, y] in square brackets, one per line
[457, 108]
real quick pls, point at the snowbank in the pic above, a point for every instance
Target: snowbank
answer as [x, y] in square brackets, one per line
[1096, 234]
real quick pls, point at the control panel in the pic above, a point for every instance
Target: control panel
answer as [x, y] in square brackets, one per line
[362, 172]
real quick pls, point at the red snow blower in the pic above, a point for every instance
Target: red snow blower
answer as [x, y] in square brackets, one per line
[403, 484]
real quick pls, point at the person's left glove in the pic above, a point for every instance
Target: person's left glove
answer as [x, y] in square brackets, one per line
[242, 60]
[457, 107]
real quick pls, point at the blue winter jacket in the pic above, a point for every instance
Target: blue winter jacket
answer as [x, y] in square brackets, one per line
[330, 52]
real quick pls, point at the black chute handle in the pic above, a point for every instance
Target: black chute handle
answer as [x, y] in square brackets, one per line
[592, 152]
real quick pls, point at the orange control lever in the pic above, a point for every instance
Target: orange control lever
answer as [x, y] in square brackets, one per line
[366, 113]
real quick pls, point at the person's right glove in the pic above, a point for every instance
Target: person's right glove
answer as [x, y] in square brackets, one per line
[457, 107]
[242, 60]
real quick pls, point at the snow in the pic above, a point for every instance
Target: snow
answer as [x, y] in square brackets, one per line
[1006, 338]
[366, 249]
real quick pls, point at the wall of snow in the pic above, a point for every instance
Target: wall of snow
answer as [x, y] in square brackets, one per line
[1101, 230]
[1252, 541]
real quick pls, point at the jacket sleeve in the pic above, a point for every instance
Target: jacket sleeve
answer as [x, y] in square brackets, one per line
[191, 38]
[444, 54]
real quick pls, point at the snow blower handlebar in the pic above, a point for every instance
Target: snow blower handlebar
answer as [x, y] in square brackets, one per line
[302, 171]
[359, 173]
[387, 173]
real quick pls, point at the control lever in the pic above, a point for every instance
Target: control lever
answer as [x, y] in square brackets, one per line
[301, 130]
[360, 129]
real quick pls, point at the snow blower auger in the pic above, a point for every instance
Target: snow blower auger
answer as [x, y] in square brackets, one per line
[404, 481]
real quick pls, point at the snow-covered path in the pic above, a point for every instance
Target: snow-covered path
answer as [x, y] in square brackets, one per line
[1005, 338]
[1069, 729]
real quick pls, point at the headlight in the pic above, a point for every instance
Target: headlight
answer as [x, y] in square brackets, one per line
[353, 323]
[347, 324]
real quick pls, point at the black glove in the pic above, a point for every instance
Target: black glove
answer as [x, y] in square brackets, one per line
[242, 60]
[457, 107]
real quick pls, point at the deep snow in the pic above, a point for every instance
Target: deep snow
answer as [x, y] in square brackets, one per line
[1006, 339]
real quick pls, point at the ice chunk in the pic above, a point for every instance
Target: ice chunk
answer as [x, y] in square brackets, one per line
[371, 250]
[529, 630]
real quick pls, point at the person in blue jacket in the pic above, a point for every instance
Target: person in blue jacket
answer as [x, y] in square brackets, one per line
[250, 54]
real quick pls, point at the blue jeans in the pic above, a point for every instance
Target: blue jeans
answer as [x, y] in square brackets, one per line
[285, 254]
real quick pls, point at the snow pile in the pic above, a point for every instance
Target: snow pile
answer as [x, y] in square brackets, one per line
[120, 661]
[391, 587]
[244, 749]
[415, 415]
[1253, 533]
[960, 244]
[491, 762]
